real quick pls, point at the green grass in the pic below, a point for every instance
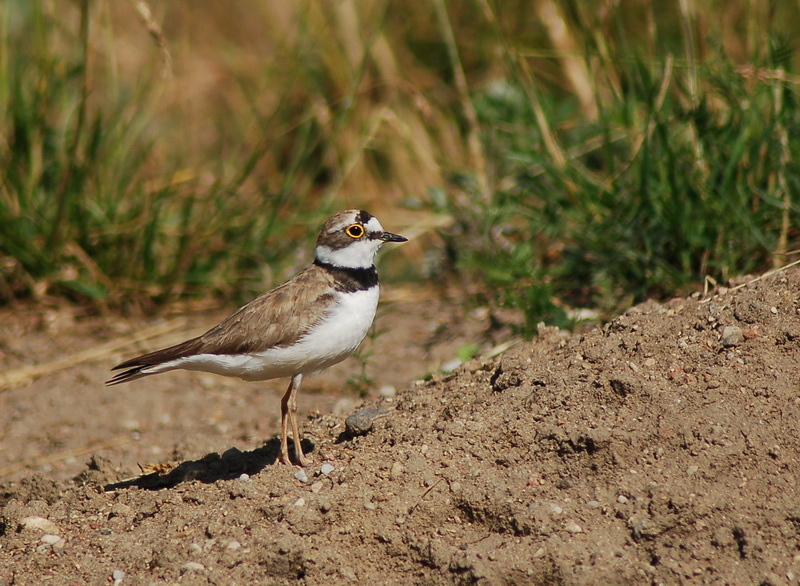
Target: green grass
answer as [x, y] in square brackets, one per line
[591, 161]
[659, 193]
[686, 172]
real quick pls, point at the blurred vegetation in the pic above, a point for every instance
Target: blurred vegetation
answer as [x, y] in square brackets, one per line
[588, 154]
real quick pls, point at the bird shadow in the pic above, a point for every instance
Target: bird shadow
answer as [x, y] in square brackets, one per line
[210, 468]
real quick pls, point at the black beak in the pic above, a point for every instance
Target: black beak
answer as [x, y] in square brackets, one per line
[389, 237]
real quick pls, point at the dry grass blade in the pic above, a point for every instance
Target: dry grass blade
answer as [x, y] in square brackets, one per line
[146, 15]
[755, 280]
[473, 137]
[424, 494]
[427, 225]
[26, 374]
[567, 48]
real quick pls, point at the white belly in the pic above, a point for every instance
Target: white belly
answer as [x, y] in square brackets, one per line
[331, 341]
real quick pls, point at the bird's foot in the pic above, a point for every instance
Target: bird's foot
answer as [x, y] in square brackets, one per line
[302, 459]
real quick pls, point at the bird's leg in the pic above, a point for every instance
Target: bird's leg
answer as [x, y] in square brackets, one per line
[284, 457]
[298, 448]
[288, 416]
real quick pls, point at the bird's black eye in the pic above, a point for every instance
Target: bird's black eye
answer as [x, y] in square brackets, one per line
[354, 230]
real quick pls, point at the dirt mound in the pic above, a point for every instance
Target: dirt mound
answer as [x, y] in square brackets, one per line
[663, 447]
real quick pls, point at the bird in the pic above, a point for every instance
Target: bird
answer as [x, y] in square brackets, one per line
[312, 321]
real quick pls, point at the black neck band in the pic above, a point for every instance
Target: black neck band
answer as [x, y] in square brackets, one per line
[350, 280]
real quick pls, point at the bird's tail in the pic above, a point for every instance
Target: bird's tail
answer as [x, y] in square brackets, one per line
[136, 367]
[127, 375]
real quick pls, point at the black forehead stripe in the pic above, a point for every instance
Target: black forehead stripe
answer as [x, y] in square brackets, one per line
[348, 280]
[363, 217]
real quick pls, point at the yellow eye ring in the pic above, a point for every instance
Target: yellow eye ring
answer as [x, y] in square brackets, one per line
[354, 231]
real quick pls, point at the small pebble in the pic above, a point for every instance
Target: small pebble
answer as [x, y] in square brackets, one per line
[692, 469]
[51, 539]
[39, 523]
[573, 528]
[117, 576]
[301, 475]
[731, 336]
[233, 545]
[564, 483]
[301, 502]
[244, 478]
[327, 468]
[195, 548]
[361, 422]
[317, 486]
[622, 499]
[396, 471]
[592, 504]
[349, 575]
[192, 566]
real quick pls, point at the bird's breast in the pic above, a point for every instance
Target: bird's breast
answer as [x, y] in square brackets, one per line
[345, 324]
[332, 339]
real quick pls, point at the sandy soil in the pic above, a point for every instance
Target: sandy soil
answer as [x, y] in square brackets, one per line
[663, 447]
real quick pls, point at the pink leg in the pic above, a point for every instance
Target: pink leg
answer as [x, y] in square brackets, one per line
[288, 416]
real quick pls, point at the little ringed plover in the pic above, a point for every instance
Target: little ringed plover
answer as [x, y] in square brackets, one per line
[313, 321]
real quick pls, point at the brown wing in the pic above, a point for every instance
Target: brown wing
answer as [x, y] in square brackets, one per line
[277, 318]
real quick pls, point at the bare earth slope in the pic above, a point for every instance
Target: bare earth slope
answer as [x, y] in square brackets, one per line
[661, 448]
